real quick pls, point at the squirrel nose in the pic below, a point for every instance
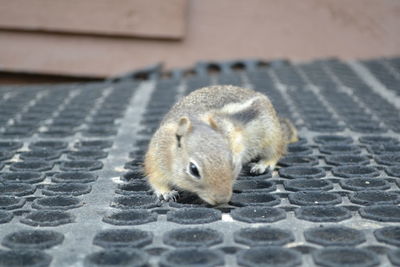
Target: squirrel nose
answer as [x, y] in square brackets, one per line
[222, 199]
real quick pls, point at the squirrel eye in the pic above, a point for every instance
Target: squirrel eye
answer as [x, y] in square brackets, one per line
[194, 170]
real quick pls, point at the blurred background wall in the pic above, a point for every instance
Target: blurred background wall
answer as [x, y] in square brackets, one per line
[78, 39]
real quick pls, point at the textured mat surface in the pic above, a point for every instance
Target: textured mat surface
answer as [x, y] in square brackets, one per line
[72, 192]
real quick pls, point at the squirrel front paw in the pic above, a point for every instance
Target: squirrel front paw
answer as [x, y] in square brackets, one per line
[256, 168]
[260, 167]
[167, 196]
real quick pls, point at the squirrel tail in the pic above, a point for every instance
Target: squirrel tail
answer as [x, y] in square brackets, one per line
[289, 131]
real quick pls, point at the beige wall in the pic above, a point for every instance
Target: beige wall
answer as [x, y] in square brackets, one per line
[219, 30]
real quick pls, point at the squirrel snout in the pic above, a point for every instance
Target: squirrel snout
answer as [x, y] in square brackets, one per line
[217, 199]
[223, 199]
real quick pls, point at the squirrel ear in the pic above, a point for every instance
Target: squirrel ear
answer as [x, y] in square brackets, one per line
[184, 126]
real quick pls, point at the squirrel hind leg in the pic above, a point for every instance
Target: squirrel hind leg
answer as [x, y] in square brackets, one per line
[289, 130]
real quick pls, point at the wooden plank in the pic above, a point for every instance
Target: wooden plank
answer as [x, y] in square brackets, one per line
[220, 30]
[138, 18]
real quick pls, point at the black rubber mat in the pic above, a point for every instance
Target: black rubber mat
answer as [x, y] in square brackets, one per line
[72, 191]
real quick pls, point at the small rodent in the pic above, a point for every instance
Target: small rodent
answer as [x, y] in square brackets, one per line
[205, 139]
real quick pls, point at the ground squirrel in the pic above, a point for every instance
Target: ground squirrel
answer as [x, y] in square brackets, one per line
[205, 139]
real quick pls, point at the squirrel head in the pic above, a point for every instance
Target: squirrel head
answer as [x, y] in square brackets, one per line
[203, 162]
